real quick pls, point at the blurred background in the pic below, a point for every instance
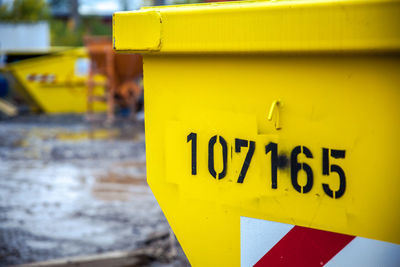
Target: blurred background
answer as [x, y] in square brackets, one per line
[73, 185]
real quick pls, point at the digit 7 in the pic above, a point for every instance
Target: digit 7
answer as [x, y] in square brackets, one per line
[239, 143]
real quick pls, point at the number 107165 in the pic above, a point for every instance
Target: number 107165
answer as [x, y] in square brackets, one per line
[272, 148]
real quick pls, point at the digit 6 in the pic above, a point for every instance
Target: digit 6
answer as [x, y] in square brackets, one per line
[295, 167]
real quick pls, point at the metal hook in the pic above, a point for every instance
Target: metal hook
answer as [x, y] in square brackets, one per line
[275, 106]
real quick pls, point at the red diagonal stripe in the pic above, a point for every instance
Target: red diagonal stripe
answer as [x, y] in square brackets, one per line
[306, 247]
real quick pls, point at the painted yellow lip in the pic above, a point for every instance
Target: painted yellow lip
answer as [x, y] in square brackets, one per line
[261, 26]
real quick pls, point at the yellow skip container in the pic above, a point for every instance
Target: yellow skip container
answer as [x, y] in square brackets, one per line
[56, 82]
[275, 113]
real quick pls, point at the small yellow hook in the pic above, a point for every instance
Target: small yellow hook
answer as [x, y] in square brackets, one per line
[275, 106]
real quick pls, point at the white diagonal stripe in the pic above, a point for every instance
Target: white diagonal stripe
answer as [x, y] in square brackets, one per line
[257, 237]
[367, 253]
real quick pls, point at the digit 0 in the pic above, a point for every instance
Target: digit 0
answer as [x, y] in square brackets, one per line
[211, 167]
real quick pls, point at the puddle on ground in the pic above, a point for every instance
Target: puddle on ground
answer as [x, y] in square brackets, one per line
[66, 190]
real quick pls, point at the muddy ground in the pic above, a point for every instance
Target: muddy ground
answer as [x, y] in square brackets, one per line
[71, 188]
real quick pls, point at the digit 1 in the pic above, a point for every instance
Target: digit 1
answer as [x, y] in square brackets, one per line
[273, 148]
[211, 167]
[193, 137]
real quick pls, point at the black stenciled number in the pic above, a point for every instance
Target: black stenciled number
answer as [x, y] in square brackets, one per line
[239, 143]
[193, 137]
[296, 167]
[211, 167]
[273, 148]
[337, 154]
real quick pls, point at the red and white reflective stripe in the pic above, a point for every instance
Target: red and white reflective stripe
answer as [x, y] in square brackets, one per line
[42, 78]
[266, 243]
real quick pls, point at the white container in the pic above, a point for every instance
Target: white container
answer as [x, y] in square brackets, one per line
[24, 36]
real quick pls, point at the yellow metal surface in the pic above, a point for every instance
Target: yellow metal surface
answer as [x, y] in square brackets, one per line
[319, 109]
[295, 26]
[147, 36]
[56, 82]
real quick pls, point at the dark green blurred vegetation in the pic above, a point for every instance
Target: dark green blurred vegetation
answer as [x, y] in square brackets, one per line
[25, 11]
[67, 34]
[68, 30]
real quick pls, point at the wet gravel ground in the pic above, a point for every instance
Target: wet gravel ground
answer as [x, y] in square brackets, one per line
[70, 188]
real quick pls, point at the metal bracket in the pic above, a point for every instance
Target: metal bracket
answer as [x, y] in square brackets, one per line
[275, 107]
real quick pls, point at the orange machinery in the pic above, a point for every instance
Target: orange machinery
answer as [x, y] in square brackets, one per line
[121, 71]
